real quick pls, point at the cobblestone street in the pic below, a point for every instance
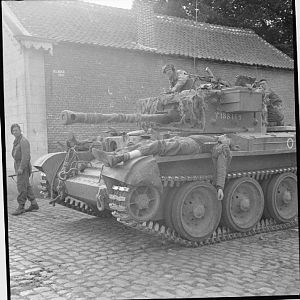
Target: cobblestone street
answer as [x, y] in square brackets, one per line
[57, 253]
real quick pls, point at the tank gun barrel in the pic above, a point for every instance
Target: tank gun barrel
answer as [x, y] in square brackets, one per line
[68, 117]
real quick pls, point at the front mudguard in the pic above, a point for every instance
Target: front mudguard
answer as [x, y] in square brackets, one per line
[50, 164]
[136, 172]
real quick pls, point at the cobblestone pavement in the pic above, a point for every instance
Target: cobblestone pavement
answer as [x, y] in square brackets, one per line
[57, 253]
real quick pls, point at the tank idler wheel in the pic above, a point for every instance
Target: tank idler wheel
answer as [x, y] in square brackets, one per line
[143, 202]
[196, 211]
[282, 197]
[168, 207]
[243, 204]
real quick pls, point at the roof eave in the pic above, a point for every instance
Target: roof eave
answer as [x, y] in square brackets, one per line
[12, 21]
[22, 37]
[140, 48]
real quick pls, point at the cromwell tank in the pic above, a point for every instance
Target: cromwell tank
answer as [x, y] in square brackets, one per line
[173, 196]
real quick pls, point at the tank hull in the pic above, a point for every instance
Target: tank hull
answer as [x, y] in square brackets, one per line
[148, 189]
[174, 171]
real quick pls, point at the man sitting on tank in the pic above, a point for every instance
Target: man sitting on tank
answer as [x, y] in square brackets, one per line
[193, 144]
[273, 102]
[179, 80]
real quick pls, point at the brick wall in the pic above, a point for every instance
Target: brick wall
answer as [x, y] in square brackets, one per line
[95, 79]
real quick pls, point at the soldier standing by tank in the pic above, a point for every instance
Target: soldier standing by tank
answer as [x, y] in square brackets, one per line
[179, 80]
[22, 165]
[273, 103]
[193, 144]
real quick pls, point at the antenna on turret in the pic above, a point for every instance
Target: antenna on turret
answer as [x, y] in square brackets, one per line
[258, 73]
[196, 13]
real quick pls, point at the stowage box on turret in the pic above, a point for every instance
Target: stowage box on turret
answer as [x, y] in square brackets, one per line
[174, 196]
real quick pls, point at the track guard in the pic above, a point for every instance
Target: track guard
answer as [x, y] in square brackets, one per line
[49, 164]
[139, 171]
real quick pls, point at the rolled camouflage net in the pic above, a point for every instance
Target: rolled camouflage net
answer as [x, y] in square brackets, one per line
[190, 105]
[153, 105]
[192, 108]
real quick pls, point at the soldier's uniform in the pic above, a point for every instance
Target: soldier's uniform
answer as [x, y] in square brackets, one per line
[21, 155]
[221, 157]
[274, 104]
[193, 144]
[181, 81]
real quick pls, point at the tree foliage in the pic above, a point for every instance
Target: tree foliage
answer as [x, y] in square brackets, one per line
[273, 20]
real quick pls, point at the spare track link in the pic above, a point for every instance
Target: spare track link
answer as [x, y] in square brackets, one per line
[117, 204]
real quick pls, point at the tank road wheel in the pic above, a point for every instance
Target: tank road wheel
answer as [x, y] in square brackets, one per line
[282, 198]
[143, 202]
[243, 204]
[196, 211]
[168, 207]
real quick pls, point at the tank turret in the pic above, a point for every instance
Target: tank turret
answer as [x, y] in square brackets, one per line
[230, 109]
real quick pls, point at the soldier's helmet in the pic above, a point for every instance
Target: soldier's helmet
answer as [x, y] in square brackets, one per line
[167, 67]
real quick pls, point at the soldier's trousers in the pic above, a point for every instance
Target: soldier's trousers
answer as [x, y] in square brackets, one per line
[173, 146]
[24, 187]
[275, 115]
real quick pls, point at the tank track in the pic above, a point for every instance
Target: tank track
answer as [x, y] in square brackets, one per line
[118, 197]
[71, 202]
[83, 207]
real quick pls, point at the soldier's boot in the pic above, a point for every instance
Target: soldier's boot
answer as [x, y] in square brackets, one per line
[33, 206]
[115, 159]
[110, 160]
[20, 210]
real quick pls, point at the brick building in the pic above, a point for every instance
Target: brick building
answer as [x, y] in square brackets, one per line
[86, 57]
